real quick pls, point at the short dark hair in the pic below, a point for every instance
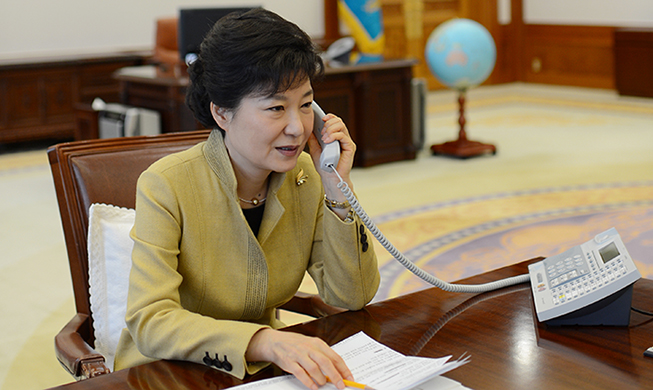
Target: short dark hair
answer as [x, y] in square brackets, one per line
[252, 52]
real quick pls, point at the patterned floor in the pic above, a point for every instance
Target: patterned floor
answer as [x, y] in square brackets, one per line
[504, 228]
[571, 162]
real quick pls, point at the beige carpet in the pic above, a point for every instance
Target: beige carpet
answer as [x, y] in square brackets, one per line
[558, 147]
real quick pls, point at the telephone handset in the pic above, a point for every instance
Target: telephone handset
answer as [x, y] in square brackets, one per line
[331, 151]
[329, 161]
[576, 287]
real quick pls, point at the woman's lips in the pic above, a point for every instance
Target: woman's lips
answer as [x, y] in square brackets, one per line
[289, 151]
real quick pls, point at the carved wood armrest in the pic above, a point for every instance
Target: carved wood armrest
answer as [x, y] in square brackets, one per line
[75, 354]
[310, 305]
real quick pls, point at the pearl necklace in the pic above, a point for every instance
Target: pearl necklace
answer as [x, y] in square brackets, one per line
[254, 201]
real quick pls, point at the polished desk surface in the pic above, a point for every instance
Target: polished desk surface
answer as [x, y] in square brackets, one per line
[509, 349]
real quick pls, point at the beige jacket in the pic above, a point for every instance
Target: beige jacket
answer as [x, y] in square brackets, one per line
[202, 284]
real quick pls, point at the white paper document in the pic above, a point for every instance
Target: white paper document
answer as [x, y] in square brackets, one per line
[382, 368]
[379, 367]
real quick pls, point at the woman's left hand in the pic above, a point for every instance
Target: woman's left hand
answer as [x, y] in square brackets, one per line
[334, 130]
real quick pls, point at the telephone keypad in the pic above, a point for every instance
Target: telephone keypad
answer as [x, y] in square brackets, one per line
[566, 287]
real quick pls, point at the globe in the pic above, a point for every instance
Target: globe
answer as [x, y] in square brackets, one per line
[460, 53]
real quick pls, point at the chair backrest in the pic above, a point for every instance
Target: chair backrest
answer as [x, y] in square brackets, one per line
[102, 171]
[166, 34]
[166, 51]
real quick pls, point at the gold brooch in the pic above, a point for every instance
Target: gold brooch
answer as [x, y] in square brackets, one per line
[301, 178]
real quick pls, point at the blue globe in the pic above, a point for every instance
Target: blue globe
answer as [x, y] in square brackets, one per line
[461, 53]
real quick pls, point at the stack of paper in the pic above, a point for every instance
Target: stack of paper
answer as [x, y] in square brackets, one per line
[379, 367]
[382, 368]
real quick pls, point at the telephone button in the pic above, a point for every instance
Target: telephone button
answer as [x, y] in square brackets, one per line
[600, 239]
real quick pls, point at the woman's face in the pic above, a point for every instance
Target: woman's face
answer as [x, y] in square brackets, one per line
[268, 133]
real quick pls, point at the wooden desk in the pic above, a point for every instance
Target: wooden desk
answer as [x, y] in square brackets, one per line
[374, 101]
[148, 87]
[508, 348]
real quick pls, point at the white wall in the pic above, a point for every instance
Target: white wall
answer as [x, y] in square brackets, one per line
[619, 13]
[50, 27]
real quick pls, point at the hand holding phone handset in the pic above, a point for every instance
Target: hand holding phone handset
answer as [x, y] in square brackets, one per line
[329, 161]
[331, 151]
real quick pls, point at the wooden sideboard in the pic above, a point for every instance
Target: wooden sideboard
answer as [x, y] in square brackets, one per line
[38, 96]
[374, 100]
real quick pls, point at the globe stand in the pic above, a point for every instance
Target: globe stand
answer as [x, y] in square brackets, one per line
[462, 147]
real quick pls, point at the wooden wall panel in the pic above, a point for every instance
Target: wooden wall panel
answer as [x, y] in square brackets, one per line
[408, 25]
[550, 54]
[396, 39]
[569, 55]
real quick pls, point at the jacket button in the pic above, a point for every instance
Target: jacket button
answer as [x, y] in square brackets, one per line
[216, 362]
[226, 365]
[207, 360]
[365, 246]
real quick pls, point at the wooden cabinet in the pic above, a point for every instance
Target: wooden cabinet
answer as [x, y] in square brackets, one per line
[375, 102]
[633, 53]
[38, 97]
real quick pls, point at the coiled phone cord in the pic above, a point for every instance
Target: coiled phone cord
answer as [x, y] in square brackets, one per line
[460, 288]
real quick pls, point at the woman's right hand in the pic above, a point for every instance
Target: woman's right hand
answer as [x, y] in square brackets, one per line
[310, 359]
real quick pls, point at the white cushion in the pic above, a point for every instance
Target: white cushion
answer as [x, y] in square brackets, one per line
[109, 260]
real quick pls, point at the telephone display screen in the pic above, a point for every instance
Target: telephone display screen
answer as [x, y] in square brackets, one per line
[609, 252]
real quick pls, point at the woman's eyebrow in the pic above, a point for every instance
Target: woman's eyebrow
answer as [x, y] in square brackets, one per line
[279, 96]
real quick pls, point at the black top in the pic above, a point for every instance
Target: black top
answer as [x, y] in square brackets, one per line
[254, 216]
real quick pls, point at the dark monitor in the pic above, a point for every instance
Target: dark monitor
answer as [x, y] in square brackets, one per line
[194, 24]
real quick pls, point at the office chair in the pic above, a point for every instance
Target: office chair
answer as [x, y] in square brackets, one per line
[106, 171]
[166, 52]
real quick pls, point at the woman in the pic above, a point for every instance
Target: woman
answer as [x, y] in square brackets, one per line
[225, 231]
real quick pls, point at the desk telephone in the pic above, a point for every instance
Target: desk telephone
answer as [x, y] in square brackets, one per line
[593, 275]
[590, 284]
